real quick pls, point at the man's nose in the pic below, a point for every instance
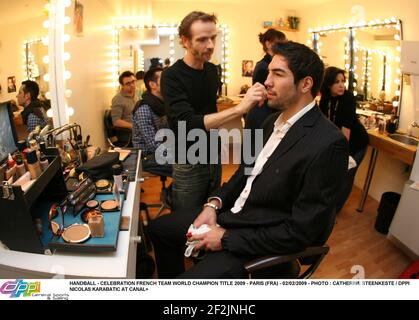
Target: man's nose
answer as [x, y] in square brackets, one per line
[211, 44]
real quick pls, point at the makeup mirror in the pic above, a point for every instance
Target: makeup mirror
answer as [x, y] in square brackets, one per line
[142, 47]
[35, 66]
[370, 54]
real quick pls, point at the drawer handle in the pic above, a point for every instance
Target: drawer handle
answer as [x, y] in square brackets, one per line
[136, 239]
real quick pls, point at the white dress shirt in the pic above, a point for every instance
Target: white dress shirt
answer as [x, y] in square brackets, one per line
[280, 129]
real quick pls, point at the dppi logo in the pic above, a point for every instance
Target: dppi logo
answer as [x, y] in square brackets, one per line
[18, 287]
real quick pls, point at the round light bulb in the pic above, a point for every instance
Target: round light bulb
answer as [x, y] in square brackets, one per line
[48, 95]
[46, 77]
[66, 56]
[67, 20]
[68, 93]
[67, 75]
[70, 111]
[45, 24]
[50, 114]
[67, 3]
[45, 59]
[66, 38]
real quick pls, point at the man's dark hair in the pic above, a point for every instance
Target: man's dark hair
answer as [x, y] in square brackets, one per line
[31, 87]
[139, 75]
[151, 75]
[271, 35]
[123, 75]
[303, 62]
[185, 26]
[330, 75]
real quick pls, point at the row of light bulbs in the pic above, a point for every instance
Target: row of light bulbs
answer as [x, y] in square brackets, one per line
[392, 22]
[115, 49]
[66, 57]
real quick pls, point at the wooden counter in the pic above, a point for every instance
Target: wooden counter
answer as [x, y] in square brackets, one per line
[381, 142]
[400, 151]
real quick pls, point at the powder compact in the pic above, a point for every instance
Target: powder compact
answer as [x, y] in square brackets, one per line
[103, 185]
[88, 214]
[76, 233]
[109, 205]
[92, 204]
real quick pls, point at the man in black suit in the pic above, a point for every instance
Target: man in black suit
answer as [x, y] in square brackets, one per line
[281, 205]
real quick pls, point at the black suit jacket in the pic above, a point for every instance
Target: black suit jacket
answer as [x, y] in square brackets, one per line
[292, 200]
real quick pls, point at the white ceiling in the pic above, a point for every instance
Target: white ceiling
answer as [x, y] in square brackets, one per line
[12, 11]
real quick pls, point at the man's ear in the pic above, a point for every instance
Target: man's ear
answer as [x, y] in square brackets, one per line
[185, 41]
[306, 84]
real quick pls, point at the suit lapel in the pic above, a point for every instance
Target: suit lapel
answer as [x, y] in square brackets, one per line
[295, 133]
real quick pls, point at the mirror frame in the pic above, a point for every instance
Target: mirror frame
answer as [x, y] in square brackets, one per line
[225, 39]
[350, 48]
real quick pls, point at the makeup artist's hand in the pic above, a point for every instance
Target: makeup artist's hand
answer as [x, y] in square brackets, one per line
[256, 95]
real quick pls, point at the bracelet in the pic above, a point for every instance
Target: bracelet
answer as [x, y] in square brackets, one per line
[211, 205]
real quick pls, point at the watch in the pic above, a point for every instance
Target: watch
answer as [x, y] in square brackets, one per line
[211, 205]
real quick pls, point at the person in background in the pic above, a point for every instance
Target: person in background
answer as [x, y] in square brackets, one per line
[33, 113]
[189, 88]
[140, 83]
[256, 116]
[286, 204]
[123, 104]
[166, 63]
[339, 106]
[148, 117]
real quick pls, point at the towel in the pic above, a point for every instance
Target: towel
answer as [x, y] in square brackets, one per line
[191, 244]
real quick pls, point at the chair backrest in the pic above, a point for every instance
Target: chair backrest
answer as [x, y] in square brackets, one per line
[109, 128]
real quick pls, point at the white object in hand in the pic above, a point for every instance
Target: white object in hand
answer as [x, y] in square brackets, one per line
[351, 163]
[191, 244]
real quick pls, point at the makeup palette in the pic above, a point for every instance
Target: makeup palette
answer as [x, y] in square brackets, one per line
[76, 233]
[103, 185]
[92, 204]
[109, 205]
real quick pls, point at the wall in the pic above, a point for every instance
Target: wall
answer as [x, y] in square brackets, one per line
[90, 66]
[245, 23]
[11, 48]
[389, 173]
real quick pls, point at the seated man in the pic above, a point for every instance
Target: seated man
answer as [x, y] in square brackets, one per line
[148, 117]
[286, 202]
[123, 104]
[33, 113]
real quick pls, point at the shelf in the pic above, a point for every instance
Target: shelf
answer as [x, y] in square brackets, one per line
[282, 28]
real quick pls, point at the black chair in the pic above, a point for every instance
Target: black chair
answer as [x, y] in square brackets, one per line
[116, 136]
[165, 196]
[290, 266]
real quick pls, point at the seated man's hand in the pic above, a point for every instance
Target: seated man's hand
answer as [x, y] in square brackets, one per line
[209, 241]
[207, 216]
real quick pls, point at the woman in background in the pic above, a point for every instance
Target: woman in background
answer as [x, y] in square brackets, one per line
[339, 105]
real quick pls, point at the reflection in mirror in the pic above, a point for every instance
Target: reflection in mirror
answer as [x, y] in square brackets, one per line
[370, 53]
[377, 67]
[35, 66]
[141, 47]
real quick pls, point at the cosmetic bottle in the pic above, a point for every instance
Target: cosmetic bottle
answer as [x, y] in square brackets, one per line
[20, 166]
[11, 171]
[117, 176]
[33, 164]
[43, 163]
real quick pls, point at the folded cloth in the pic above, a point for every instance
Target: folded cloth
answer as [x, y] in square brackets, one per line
[351, 163]
[191, 244]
